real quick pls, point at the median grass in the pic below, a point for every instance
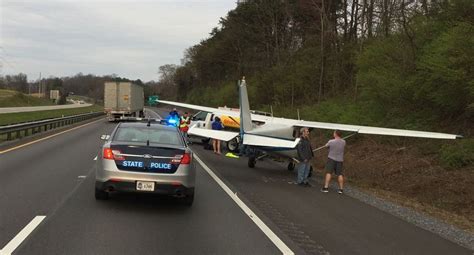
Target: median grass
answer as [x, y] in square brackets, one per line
[13, 118]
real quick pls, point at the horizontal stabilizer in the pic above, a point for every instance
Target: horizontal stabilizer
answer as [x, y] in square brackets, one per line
[257, 140]
[214, 134]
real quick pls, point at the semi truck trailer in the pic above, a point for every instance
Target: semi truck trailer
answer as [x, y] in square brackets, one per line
[123, 100]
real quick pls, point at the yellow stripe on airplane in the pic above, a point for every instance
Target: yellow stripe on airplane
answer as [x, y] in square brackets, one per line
[232, 122]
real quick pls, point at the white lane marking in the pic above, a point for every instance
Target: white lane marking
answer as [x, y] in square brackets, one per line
[81, 176]
[20, 237]
[47, 137]
[150, 110]
[95, 158]
[265, 229]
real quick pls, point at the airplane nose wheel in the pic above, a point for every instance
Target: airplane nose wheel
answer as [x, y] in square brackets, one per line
[233, 145]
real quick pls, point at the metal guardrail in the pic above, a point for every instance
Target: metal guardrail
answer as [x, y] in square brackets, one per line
[20, 130]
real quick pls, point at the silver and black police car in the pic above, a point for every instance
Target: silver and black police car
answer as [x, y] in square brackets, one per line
[146, 157]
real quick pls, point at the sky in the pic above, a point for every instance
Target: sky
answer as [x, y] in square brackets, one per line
[130, 38]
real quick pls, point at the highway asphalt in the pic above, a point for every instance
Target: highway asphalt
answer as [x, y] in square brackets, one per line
[55, 178]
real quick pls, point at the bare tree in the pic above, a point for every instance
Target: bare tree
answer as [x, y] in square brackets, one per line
[166, 73]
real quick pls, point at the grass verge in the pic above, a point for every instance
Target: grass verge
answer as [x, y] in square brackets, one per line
[12, 118]
[9, 98]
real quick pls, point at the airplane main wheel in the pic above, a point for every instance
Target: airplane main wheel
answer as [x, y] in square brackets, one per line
[252, 162]
[233, 145]
[291, 166]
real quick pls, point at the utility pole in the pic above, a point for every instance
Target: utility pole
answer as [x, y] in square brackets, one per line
[39, 86]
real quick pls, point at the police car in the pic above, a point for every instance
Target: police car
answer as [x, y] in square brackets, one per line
[145, 157]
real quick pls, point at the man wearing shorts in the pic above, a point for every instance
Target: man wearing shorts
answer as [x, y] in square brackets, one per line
[334, 163]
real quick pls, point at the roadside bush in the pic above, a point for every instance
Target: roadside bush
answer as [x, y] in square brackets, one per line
[457, 155]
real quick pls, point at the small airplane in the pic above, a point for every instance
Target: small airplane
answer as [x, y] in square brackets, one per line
[271, 136]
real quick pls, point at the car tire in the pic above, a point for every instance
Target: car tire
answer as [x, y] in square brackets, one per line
[101, 195]
[188, 199]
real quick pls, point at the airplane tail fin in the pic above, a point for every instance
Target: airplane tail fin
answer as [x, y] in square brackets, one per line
[245, 118]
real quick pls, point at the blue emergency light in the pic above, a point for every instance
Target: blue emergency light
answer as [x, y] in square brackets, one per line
[173, 121]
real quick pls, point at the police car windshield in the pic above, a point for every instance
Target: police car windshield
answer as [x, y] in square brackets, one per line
[144, 134]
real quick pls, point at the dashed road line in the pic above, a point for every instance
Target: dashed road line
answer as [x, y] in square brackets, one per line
[150, 110]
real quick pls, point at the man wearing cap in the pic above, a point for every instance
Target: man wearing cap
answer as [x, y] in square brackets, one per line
[174, 116]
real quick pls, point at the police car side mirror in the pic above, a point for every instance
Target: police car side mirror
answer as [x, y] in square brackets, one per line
[104, 137]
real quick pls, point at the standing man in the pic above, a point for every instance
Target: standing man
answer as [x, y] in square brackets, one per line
[184, 124]
[216, 144]
[305, 154]
[335, 159]
[173, 118]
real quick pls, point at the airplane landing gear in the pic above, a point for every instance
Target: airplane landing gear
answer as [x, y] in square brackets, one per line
[233, 145]
[291, 166]
[252, 161]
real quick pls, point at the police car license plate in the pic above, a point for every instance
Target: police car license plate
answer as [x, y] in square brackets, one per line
[145, 186]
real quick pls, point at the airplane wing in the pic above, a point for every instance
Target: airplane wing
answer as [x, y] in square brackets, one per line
[367, 129]
[203, 108]
[255, 117]
[215, 134]
[322, 125]
[257, 140]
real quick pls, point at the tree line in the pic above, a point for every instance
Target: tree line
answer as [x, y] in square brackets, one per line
[88, 85]
[400, 62]
[392, 58]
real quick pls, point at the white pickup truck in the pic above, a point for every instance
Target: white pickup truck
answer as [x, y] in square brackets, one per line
[204, 120]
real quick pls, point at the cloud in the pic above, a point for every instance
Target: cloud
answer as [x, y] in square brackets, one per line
[129, 38]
